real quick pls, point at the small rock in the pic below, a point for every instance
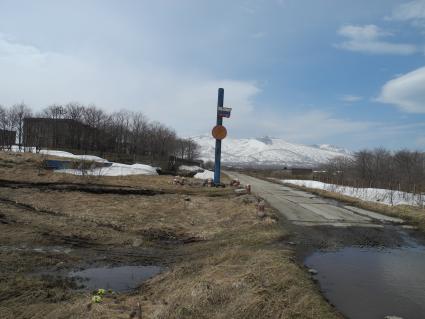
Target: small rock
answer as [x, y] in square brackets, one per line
[313, 271]
[241, 191]
[261, 214]
[187, 199]
[291, 243]
[137, 242]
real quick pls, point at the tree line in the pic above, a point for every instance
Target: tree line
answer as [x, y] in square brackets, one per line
[88, 128]
[378, 168]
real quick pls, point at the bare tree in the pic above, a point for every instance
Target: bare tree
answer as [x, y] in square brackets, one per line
[4, 126]
[17, 115]
[128, 135]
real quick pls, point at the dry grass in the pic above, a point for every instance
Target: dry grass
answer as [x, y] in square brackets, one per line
[238, 274]
[23, 167]
[233, 264]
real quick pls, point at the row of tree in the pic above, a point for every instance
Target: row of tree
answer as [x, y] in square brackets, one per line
[89, 128]
[379, 168]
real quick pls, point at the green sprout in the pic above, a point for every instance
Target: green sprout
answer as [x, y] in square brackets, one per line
[96, 299]
[100, 292]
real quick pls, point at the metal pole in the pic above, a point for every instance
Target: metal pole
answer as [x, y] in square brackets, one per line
[217, 166]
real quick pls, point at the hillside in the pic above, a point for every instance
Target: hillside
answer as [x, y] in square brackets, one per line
[267, 151]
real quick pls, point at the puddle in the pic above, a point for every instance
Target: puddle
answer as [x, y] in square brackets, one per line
[369, 283]
[119, 279]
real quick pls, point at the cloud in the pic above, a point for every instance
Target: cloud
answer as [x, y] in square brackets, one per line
[413, 11]
[351, 98]
[184, 101]
[406, 92]
[369, 39]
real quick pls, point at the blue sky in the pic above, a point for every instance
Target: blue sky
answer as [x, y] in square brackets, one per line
[349, 73]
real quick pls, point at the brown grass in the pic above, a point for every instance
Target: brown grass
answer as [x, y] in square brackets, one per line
[233, 264]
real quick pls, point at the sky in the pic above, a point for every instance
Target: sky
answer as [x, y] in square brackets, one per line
[347, 73]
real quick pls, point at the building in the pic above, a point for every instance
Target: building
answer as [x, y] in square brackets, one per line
[175, 162]
[299, 172]
[7, 138]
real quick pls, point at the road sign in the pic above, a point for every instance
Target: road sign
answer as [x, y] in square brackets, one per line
[219, 132]
[224, 111]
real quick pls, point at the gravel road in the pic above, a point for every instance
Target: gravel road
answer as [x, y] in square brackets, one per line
[305, 209]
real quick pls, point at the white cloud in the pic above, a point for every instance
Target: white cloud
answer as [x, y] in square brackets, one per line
[369, 39]
[184, 101]
[406, 92]
[306, 127]
[351, 98]
[413, 11]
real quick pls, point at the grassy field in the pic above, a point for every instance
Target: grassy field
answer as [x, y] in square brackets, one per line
[219, 259]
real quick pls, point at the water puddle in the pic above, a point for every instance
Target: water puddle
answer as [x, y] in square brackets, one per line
[119, 279]
[369, 283]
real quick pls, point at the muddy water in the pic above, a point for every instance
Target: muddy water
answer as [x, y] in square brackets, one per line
[119, 279]
[373, 283]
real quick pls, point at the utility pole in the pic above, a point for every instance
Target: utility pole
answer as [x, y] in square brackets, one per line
[219, 132]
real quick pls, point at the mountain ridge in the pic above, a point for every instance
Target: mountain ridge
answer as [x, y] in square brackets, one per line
[267, 151]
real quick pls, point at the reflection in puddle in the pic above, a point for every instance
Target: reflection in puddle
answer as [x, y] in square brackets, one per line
[123, 278]
[373, 283]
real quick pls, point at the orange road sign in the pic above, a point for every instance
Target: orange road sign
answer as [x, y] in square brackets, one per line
[219, 132]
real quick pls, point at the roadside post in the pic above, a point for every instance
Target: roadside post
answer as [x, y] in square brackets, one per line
[219, 132]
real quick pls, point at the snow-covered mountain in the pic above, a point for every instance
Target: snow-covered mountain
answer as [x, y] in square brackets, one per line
[267, 151]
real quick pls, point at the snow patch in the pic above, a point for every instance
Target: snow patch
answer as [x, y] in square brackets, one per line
[378, 195]
[90, 158]
[205, 175]
[190, 168]
[117, 169]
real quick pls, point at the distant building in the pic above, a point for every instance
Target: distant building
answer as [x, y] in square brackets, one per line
[306, 172]
[7, 138]
[175, 162]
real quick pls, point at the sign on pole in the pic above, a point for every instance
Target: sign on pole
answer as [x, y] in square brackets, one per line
[219, 132]
[224, 111]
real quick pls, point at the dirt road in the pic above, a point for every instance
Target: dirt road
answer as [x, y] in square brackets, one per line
[305, 209]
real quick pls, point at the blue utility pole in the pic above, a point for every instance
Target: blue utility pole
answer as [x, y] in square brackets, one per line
[217, 165]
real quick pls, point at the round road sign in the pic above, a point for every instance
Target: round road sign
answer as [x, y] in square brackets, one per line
[219, 132]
